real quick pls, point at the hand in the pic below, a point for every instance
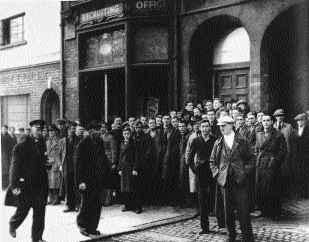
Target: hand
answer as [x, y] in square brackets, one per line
[60, 168]
[82, 186]
[16, 191]
[119, 173]
[134, 173]
[113, 167]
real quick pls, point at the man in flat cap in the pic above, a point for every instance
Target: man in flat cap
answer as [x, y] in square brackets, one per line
[29, 181]
[67, 156]
[300, 156]
[92, 174]
[61, 126]
[232, 162]
[243, 105]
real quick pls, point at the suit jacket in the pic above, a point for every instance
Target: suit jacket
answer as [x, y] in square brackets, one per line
[287, 131]
[110, 147]
[28, 170]
[241, 161]
[244, 132]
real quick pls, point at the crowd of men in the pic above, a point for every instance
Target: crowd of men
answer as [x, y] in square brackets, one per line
[216, 157]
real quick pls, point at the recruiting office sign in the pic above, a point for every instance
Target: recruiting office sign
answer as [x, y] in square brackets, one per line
[148, 7]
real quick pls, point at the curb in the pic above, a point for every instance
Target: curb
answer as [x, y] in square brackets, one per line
[142, 227]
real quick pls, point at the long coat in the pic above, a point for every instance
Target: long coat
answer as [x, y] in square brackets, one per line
[110, 147]
[92, 166]
[271, 152]
[184, 168]
[28, 171]
[6, 153]
[192, 176]
[127, 163]
[54, 174]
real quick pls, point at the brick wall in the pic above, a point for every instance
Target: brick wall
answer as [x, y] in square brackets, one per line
[31, 80]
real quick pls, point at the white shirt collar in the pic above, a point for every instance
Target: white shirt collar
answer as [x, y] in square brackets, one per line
[300, 130]
[229, 139]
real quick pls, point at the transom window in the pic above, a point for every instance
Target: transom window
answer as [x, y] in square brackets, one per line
[12, 30]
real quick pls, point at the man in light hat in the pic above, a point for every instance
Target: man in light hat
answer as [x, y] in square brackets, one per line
[232, 162]
[29, 181]
[243, 105]
[300, 156]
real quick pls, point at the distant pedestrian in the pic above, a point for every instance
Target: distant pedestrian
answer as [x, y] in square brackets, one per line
[29, 181]
[6, 153]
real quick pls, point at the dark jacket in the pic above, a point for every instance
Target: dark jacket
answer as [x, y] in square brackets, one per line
[202, 149]
[28, 170]
[92, 166]
[271, 152]
[184, 168]
[241, 161]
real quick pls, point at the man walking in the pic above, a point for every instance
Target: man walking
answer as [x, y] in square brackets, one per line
[92, 173]
[231, 163]
[29, 181]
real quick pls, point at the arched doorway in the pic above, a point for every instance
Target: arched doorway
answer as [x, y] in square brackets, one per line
[220, 59]
[50, 106]
[285, 61]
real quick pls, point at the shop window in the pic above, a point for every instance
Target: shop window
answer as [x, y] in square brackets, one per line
[12, 30]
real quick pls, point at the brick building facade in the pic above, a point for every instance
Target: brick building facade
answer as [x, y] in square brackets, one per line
[178, 50]
[30, 73]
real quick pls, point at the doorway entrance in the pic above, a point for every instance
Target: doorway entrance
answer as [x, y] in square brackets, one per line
[232, 84]
[92, 95]
[50, 106]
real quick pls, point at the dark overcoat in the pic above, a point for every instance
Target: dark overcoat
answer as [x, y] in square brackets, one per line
[28, 171]
[6, 153]
[271, 152]
[127, 163]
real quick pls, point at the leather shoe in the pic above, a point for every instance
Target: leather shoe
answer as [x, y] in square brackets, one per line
[12, 231]
[49, 202]
[138, 211]
[56, 202]
[95, 232]
[69, 210]
[83, 231]
[205, 231]
[40, 240]
[125, 209]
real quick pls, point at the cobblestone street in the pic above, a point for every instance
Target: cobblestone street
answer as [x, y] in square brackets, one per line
[293, 228]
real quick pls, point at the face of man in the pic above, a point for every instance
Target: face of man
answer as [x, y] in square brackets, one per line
[126, 135]
[113, 126]
[80, 130]
[267, 122]
[175, 122]
[61, 126]
[279, 118]
[190, 107]
[45, 132]
[166, 120]
[242, 106]
[204, 116]
[229, 106]
[103, 129]
[173, 114]
[196, 127]
[239, 121]
[143, 120]
[139, 128]
[52, 133]
[131, 121]
[208, 106]
[36, 131]
[197, 112]
[259, 117]
[217, 104]
[4, 130]
[251, 120]
[223, 114]
[71, 130]
[12, 131]
[182, 128]
[27, 132]
[118, 123]
[158, 121]
[226, 129]
[205, 128]
[235, 112]
[152, 123]
[301, 123]
[211, 116]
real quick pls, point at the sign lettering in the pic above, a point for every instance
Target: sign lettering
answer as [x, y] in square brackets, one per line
[101, 13]
[143, 5]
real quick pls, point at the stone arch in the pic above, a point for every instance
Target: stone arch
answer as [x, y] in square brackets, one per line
[50, 106]
[284, 62]
[201, 51]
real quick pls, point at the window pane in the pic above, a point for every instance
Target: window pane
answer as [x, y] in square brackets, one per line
[16, 29]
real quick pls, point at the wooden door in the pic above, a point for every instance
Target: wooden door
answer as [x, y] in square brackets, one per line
[232, 83]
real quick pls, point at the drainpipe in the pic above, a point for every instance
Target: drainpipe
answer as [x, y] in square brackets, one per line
[62, 61]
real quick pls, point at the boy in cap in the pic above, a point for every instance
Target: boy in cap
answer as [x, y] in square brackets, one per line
[29, 181]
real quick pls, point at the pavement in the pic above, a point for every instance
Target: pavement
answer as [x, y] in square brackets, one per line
[157, 224]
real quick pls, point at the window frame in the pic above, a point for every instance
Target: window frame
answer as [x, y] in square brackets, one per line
[5, 32]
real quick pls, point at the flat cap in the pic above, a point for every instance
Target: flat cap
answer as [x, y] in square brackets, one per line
[70, 123]
[279, 112]
[53, 127]
[241, 102]
[39, 122]
[225, 120]
[94, 125]
[231, 100]
[61, 121]
[301, 116]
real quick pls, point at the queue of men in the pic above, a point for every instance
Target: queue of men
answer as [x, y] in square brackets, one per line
[215, 158]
